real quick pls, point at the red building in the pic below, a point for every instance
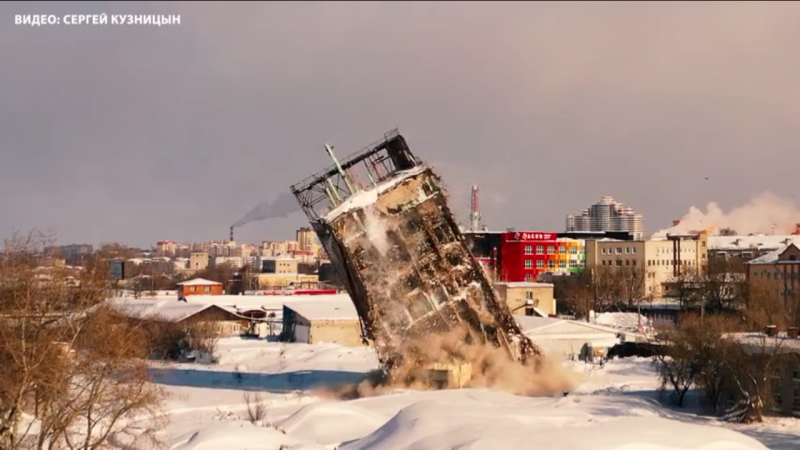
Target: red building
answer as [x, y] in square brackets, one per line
[199, 286]
[526, 254]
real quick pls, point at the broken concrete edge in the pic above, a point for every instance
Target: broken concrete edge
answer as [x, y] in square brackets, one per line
[367, 197]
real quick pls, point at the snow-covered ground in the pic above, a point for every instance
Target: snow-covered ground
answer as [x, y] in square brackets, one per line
[614, 408]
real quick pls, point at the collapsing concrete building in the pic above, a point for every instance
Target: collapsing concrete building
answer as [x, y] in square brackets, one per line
[383, 218]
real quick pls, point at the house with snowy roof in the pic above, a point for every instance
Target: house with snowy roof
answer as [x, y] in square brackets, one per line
[199, 286]
[228, 321]
[780, 268]
[748, 247]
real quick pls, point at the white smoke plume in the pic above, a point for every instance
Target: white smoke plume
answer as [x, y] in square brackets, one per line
[764, 214]
[283, 205]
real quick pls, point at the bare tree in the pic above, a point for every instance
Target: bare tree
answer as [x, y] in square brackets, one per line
[608, 290]
[750, 372]
[675, 363]
[176, 340]
[631, 280]
[575, 294]
[765, 305]
[72, 375]
[256, 408]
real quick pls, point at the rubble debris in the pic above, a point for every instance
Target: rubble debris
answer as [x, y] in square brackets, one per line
[383, 219]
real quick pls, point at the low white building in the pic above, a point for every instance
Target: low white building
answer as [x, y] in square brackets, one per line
[313, 322]
[568, 338]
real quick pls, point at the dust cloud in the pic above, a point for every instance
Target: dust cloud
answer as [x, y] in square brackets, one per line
[375, 229]
[492, 368]
[766, 213]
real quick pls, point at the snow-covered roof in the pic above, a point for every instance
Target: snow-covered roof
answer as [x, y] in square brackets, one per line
[324, 310]
[771, 257]
[199, 282]
[236, 304]
[761, 343]
[530, 324]
[368, 197]
[756, 242]
[167, 310]
[524, 284]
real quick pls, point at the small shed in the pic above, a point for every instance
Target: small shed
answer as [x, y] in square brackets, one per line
[199, 286]
[311, 322]
[568, 338]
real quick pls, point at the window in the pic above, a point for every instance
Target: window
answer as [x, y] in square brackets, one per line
[573, 250]
[442, 233]
[551, 264]
[551, 250]
[619, 250]
[633, 250]
[603, 251]
[540, 250]
[626, 250]
[619, 263]
[573, 264]
[191, 289]
[207, 289]
[603, 263]
[528, 264]
[528, 278]
[540, 264]
[627, 262]
[562, 250]
[528, 295]
[562, 264]
[634, 262]
[528, 249]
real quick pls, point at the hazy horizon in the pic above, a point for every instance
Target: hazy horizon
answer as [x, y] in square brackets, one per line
[138, 134]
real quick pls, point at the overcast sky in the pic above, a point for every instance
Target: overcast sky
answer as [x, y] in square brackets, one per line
[139, 133]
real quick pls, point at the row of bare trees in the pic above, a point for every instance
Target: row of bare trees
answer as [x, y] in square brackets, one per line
[721, 287]
[605, 289]
[734, 370]
[72, 373]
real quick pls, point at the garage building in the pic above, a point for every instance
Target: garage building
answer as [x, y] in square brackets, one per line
[568, 338]
[312, 322]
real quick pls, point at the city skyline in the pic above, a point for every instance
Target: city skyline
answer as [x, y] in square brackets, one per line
[148, 133]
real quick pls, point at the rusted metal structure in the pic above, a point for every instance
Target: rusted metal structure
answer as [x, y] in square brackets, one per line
[383, 218]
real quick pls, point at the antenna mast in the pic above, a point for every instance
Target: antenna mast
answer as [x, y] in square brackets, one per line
[474, 213]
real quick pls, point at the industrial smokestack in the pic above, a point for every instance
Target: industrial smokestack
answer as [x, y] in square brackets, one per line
[231, 234]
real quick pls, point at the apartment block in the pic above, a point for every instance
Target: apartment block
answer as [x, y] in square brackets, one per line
[658, 260]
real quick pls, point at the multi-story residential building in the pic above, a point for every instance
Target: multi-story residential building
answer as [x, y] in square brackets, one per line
[199, 260]
[779, 269]
[607, 215]
[166, 248]
[235, 261]
[278, 248]
[306, 239]
[659, 261]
